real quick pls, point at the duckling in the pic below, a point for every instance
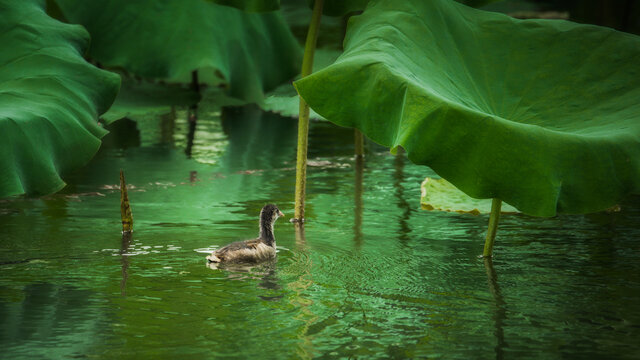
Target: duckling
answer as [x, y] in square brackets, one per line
[261, 248]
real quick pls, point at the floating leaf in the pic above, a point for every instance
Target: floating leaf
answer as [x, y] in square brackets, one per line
[248, 53]
[50, 98]
[543, 114]
[439, 194]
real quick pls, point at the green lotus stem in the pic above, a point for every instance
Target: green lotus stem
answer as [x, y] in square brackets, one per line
[303, 119]
[494, 218]
[359, 143]
[125, 208]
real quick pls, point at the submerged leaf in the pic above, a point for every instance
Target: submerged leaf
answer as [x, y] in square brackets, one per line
[50, 99]
[439, 194]
[248, 53]
[543, 114]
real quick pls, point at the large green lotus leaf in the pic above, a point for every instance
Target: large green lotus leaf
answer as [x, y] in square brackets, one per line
[251, 5]
[543, 114]
[50, 99]
[246, 52]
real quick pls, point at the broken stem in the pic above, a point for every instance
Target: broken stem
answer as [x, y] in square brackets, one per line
[125, 209]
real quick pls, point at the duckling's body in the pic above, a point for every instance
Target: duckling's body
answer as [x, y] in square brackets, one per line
[243, 251]
[255, 250]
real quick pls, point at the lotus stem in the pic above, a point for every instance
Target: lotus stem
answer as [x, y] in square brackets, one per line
[494, 218]
[359, 143]
[303, 119]
[195, 84]
[125, 209]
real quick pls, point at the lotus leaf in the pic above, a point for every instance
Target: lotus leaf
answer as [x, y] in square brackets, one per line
[543, 114]
[50, 99]
[246, 52]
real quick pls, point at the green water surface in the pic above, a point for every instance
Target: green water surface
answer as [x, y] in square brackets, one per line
[372, 276]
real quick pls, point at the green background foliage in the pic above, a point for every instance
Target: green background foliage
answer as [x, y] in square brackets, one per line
[251, 5]
[50, 99]
[340, 7]
[247, 53]
[542, 114]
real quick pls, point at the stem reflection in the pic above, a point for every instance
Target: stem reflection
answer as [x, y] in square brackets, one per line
[124, 260]
[403, 205]
[304, 281]
[500, 311]
[192, 120]
[358, 202]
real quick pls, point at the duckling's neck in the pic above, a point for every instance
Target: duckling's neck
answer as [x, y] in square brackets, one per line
[266, 233]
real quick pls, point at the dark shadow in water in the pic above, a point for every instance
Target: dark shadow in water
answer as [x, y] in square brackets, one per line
[192, 120]
[269, 281]
[403, 205]
[358, 202]
[193, 177]
[123, 134]
[124, 259]
[45, 313]
[500, 311]
[257, 140]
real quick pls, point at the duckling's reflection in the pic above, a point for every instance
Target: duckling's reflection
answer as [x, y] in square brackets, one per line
[265, 272]
[500, 312]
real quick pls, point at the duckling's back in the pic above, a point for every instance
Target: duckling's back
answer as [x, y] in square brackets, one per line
[243, 251]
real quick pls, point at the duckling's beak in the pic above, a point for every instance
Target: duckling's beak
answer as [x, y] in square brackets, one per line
[280, 213]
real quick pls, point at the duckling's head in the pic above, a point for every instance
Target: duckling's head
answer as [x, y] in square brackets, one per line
[269, 214]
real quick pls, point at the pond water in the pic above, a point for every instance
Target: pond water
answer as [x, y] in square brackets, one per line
[371, 276]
